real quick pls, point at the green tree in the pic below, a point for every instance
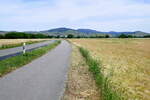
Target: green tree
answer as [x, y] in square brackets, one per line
[107, 36]
[1, 36]
[70, 36]
[15, 35]
[122, 36]
[146, 36]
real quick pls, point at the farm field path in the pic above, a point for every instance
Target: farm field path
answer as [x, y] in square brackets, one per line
[42, 79]
[10, 51]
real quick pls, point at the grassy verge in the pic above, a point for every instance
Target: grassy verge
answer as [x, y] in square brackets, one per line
[6, 46]
[13, 63]
[102, 82]
[80, 83]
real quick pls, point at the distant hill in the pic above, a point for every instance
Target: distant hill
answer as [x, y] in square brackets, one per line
[88, 31]
[60, 31]
[66, 31]
[138, 33]
[3, 32]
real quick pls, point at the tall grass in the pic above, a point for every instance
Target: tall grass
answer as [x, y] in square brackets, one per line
[102, 82]
[15, 62]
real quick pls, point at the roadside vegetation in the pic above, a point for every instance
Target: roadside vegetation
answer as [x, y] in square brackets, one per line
[80, 84]
[15, 62]
[102, 82]
[10, 43]
[121, 65]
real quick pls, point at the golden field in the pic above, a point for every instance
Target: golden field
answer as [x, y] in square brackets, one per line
[17, 41]
[126, 62]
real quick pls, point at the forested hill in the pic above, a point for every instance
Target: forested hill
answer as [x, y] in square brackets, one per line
[63, 31]
[66, 31]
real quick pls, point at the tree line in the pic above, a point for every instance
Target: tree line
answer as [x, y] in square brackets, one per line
[23, 35]
[131, 36]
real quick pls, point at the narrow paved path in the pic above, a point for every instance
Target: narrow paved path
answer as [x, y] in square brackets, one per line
[19, 49]
[42, 79]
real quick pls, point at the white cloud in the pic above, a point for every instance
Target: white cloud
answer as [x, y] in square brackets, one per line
[97, 14]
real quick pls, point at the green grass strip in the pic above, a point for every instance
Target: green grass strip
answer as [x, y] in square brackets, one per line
[6, 46]
[15, 62]
[102, 82]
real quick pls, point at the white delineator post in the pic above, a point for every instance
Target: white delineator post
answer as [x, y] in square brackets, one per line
[24, 48]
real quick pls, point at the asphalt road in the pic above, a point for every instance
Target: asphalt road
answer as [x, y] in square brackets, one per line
[42, 79]
[19, 49]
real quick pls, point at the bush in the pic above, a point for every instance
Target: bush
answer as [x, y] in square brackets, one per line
[146, 36]
[1, 36]
[70, 36]
[126, 36]
[107, 36]
[14, 35]
[122, 36]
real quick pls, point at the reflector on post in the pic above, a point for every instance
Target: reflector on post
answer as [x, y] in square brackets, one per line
[24, 48]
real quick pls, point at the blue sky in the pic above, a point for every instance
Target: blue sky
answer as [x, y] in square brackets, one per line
[102, 15]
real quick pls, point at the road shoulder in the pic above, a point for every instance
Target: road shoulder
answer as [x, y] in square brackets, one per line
[80, 84]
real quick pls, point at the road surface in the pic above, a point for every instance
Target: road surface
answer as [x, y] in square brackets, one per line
[42, 79]
[6, 53]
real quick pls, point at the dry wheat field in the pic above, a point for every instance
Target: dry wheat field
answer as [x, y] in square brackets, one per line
[17, 41]
[126, 62]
